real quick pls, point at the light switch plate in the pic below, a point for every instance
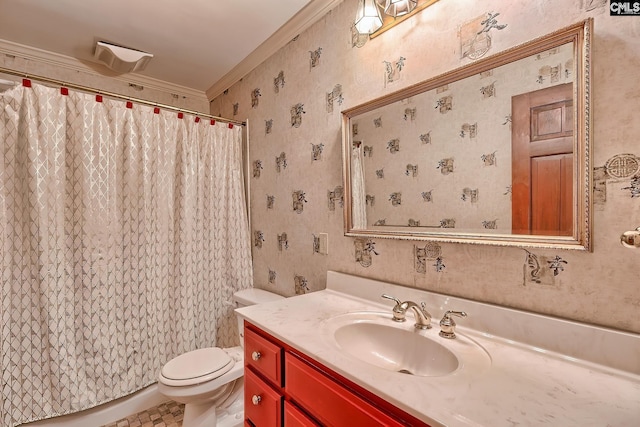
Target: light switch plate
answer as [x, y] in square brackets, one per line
[324, 243]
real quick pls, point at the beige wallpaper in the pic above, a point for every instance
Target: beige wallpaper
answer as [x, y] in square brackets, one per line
[445, 155]
[94, 79]
[293, 102]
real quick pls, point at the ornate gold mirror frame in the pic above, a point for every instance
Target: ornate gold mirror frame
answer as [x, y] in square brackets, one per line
[576, 37]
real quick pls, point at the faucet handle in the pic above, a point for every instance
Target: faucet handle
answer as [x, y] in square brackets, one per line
[392, 298]
[447, 325]
[398, 310]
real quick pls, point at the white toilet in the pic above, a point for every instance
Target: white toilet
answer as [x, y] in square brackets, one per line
[209, 381]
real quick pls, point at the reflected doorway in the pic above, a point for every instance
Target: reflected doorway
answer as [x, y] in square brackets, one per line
[542, 161]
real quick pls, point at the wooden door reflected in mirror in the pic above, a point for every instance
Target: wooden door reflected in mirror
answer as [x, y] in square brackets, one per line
[542, 162]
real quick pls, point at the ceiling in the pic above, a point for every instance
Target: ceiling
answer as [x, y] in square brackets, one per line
[203, 45]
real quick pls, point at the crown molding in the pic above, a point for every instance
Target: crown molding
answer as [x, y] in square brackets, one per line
[308, 16]
[75, 65]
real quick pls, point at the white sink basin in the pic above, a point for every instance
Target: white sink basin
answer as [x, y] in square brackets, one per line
[374, 338]
[395, 349]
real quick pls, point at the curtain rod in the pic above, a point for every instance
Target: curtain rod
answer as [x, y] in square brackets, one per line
[117, 96]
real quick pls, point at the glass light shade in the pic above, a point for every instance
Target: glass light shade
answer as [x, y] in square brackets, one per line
[397, 8]
[368, 18]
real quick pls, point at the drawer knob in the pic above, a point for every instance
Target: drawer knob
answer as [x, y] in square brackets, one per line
[256, 355]
[256, 399]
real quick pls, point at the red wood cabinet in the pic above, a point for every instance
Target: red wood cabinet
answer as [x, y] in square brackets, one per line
[286, 388]
[264, 356]
[327, 400]
[263, 403]
[294, 417]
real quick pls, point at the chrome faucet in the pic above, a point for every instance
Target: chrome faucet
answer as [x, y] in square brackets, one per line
[423, 317]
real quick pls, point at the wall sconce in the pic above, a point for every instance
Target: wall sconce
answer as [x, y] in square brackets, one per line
[121, 59]
[374, 17]
[397, 8]
[368, 18]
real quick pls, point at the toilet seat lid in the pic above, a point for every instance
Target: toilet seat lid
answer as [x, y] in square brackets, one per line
[196, 366]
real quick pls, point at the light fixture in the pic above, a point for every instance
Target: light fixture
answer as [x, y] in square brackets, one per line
[121, 59]
[397, 8]
[368, 17]
[389, 12]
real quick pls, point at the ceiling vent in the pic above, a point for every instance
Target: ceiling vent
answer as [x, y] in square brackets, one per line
[121, 59]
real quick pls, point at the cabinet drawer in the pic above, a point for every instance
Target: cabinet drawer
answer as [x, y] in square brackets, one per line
[263, 404]
[294, 417]
[263, 355]
[329, 402]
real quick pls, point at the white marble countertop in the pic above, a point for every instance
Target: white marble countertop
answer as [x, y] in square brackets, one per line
[523, 386]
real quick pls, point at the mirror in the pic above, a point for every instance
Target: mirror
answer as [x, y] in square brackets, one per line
[495, 152]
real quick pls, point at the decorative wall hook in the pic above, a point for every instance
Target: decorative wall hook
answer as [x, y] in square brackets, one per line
[631, 239]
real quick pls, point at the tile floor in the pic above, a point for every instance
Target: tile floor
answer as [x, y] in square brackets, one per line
[167, 414]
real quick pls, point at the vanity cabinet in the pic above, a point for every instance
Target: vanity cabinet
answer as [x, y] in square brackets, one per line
[263, 380]
[294, 417]
[284, 387]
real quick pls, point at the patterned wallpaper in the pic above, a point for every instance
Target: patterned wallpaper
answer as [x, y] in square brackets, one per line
[293, 102]
[90, 78]
[443, 158]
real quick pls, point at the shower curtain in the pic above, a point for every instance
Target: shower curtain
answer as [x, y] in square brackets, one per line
[359, 201]
[123, 237]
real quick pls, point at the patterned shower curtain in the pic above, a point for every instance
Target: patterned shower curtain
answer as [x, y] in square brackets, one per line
[123, 237]
[359, 200]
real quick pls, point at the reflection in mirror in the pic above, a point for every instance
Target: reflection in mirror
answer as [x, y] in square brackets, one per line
[495, 152]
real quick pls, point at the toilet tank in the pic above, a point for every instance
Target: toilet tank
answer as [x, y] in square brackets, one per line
[248, 297]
